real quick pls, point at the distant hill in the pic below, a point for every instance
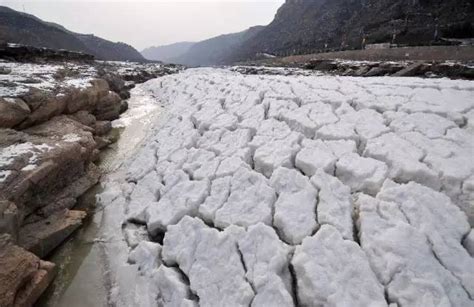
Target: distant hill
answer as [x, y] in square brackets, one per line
[216, 50]
[167, 53]
[26, 29]
[306, 26]
[309, 26]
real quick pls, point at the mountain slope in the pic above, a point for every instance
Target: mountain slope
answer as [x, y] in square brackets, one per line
[26, 29]
[168, 52]
[304, 26]
[107, 50]
[216, 50]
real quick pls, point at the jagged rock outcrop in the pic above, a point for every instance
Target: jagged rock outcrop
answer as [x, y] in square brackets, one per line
[54, 120]
[45, 165]
[49, 163]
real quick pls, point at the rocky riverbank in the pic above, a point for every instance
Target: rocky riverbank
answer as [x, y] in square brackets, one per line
[337, 67]
[453, 70]
[55, 118]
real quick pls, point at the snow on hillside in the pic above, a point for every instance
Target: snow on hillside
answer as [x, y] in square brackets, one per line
[296, 190]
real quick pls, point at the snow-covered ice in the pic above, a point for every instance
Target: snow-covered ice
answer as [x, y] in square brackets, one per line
[261, 190]
[331, 271]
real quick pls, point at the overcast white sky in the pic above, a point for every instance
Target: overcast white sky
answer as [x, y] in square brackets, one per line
[145, 23]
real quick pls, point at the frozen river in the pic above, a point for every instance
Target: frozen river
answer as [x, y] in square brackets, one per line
[295, 190]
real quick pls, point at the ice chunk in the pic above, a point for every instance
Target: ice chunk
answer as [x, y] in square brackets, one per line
[403, 258]
[335, 203]
[334, 271]
[183, 199]
[443, 223]
[145, 192]
[309, 118]
[172, 288]
[211, 261]
[342, 147]
[469, 242]
[276, 153]
[403, 160]
[361, 174]
[313, 156]
[430, 125]
[338, 131]
[147, 255]
[228, 166]
[269, 131]
[367, 123]
[266, 259]
[220, 191]
[295, 209]
[251, 201]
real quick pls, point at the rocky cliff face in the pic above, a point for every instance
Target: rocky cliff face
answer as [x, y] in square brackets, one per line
[305, 26]
[25, 29]
[55, 117]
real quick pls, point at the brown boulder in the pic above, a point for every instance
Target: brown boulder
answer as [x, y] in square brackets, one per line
[38, 284]
[109, 107]
[12, 112]
[116, 83]
[78, 99]
[101, 86]
[103, 127]
[43, 236]
[411, 70]
[84, 118]
[102, 142]
[376, 71]
[9, 219]
[43, 105]
[23, 276]
[48, 157]
[66, 198]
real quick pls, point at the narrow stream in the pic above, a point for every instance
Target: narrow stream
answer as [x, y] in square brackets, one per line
[82, 278]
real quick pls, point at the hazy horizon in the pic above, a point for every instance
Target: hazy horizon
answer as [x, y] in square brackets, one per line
[144, 24]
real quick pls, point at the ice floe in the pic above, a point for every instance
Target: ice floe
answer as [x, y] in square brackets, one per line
[304, 190]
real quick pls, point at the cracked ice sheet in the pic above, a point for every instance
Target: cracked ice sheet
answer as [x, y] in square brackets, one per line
[412, 237]
[237, 152]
